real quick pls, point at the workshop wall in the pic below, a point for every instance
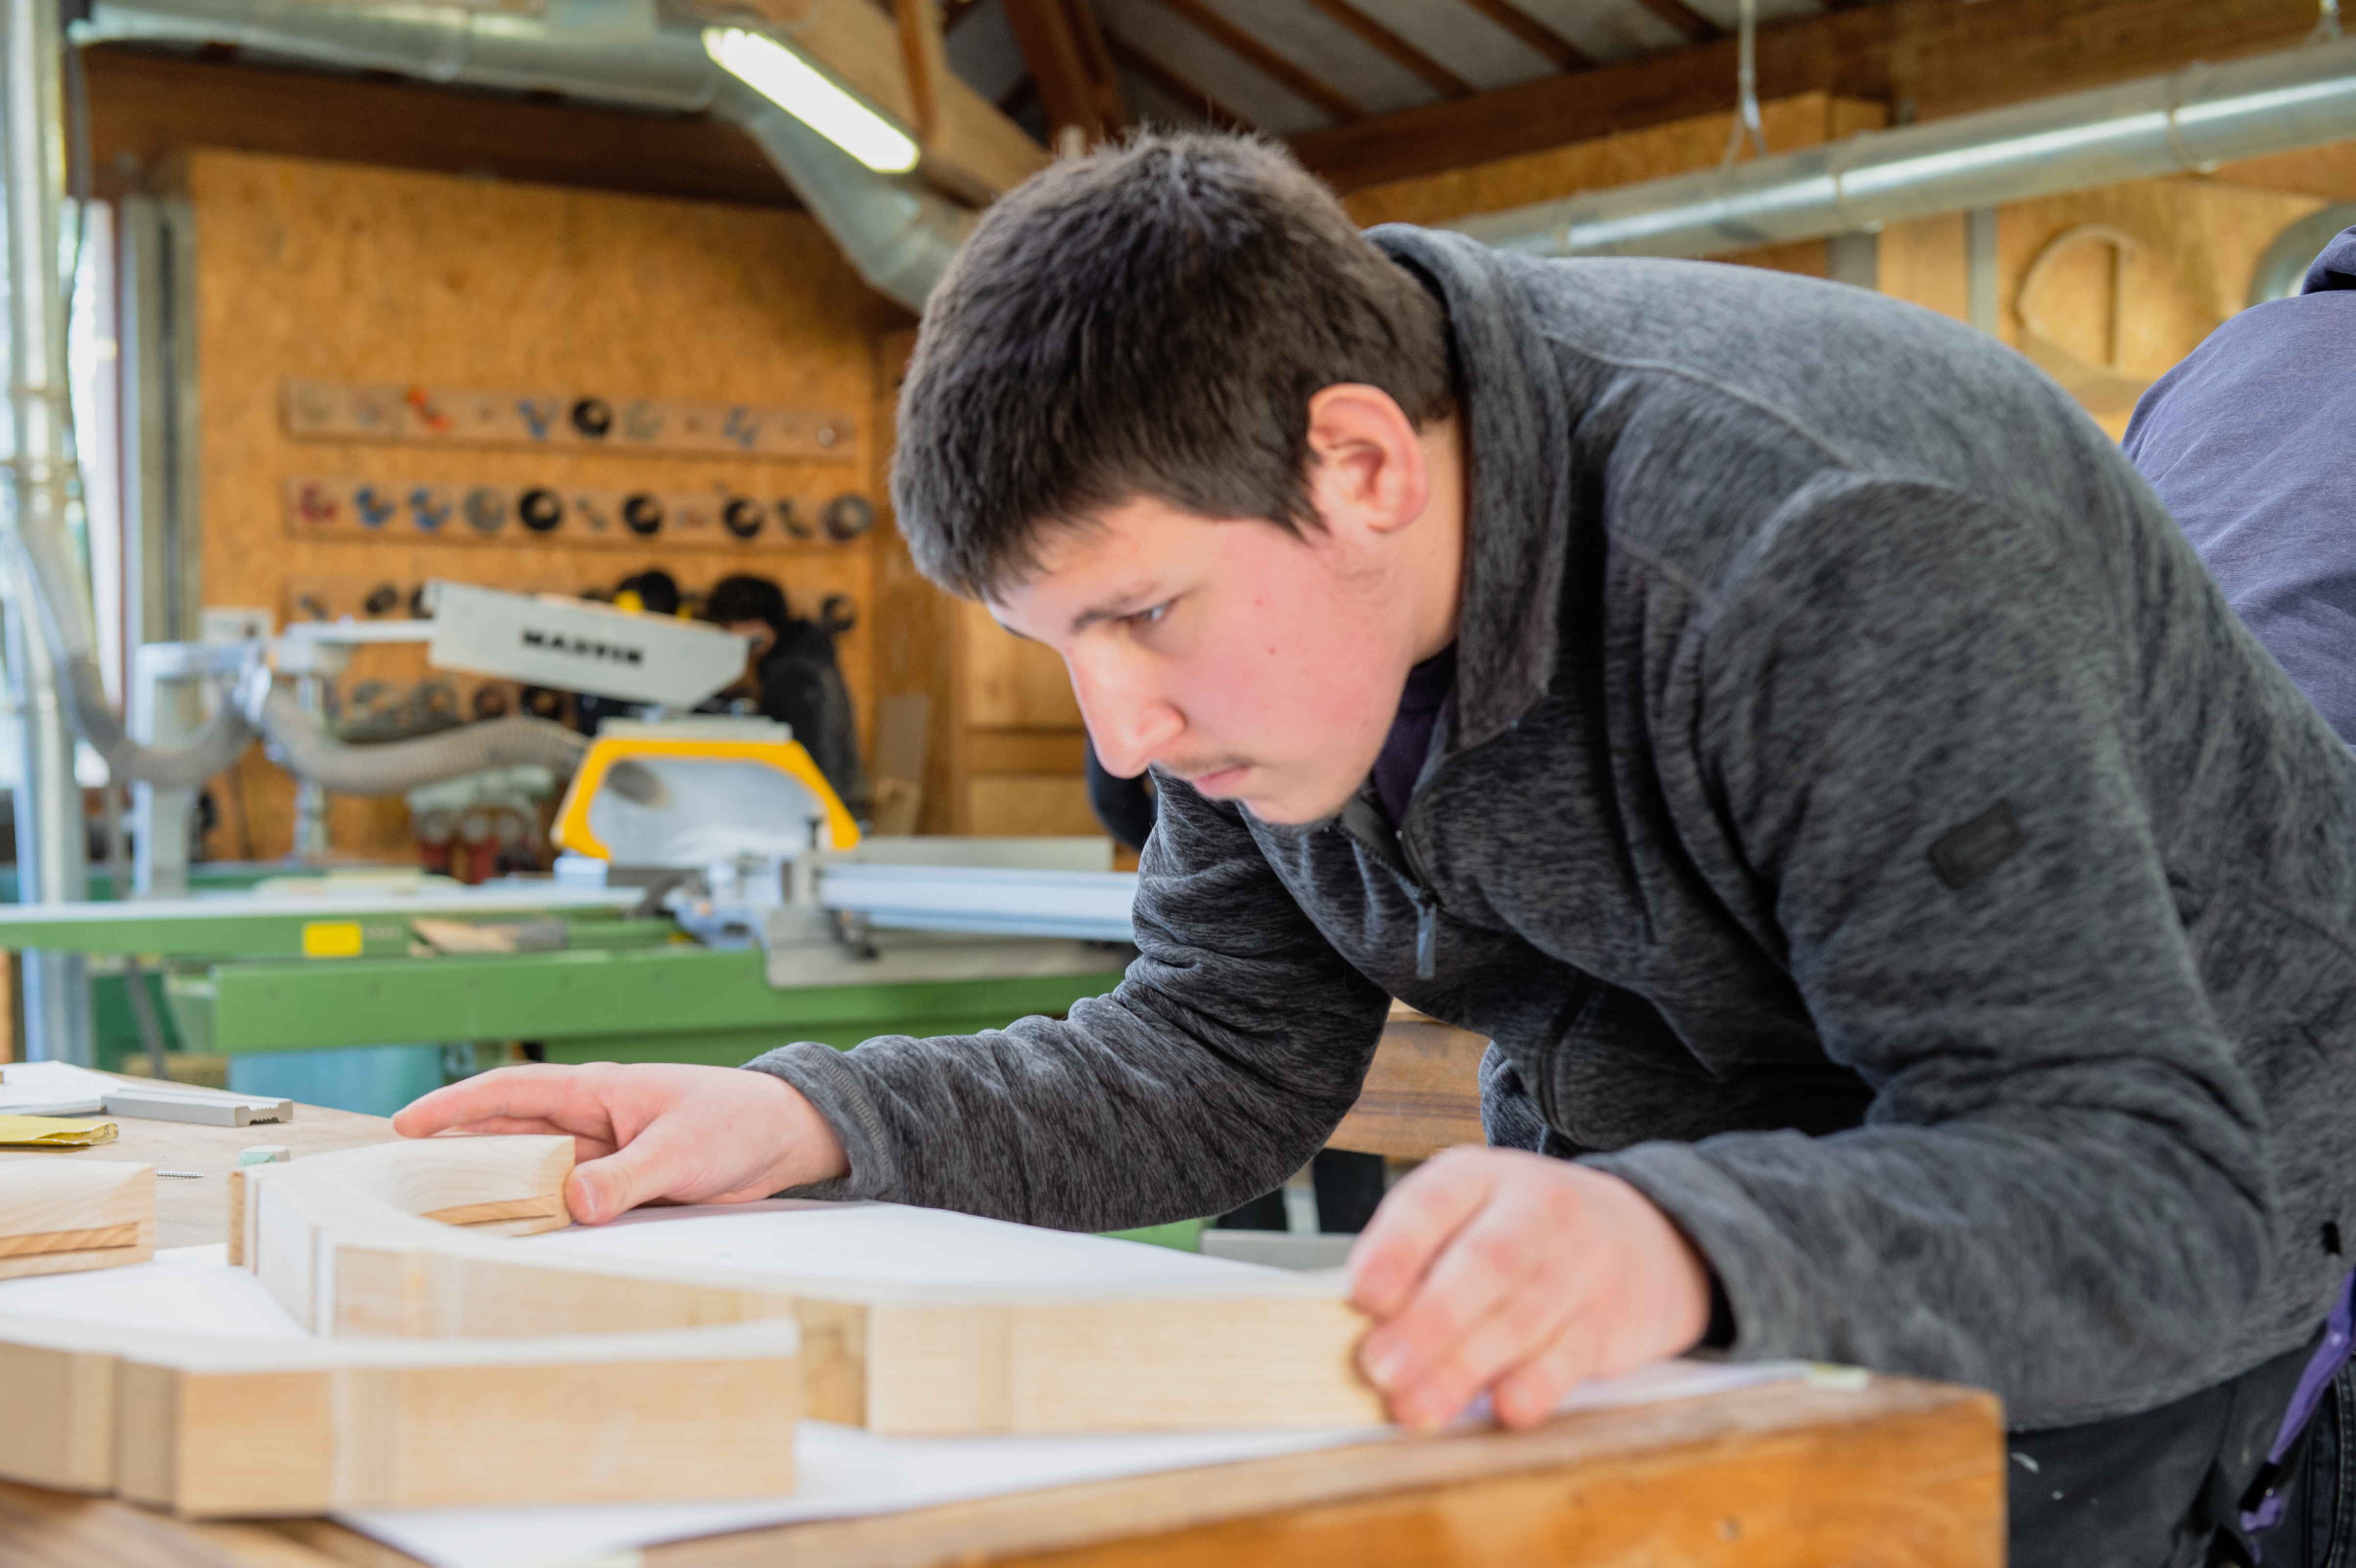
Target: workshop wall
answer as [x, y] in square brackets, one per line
[430, 287]
[2108, 320]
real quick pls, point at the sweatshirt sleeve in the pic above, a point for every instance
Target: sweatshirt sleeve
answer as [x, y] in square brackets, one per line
[1234, 1045]
[1926, 728]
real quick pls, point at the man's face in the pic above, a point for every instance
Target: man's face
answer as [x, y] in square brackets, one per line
[1259, 667]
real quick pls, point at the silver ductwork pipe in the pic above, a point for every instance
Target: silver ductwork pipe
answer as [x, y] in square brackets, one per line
[896, 232]
[2188, 121]
[396, 767]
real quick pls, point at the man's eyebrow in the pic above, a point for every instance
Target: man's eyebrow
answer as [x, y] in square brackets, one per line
[1118, 605]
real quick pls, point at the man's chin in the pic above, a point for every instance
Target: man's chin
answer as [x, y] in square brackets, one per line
[1290, 811]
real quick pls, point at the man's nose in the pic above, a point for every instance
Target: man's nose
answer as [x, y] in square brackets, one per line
[1129, 729]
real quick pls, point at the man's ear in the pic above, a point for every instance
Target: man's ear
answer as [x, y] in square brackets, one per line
[1366, 464]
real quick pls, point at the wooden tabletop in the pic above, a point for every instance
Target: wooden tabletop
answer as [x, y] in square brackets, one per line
[1893, 1470]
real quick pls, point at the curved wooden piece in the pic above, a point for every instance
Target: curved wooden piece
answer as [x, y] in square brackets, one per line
[341, 1240]
[2105, 388]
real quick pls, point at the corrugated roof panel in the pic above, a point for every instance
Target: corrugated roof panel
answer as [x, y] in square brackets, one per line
[1460, 38]
[1606, 29]
[1728, 14]
[1242, 87]
[1150, 106]
[1329, 51]
[981, 49]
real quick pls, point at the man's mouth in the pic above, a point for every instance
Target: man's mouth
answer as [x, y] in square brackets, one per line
[1219, 779]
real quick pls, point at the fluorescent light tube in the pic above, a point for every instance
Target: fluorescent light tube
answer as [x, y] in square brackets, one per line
[785, 79]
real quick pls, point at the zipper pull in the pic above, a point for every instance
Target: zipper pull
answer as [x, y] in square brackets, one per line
[1427, 935]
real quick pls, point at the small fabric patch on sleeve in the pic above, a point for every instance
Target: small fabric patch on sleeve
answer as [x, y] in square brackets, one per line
[1962, 855]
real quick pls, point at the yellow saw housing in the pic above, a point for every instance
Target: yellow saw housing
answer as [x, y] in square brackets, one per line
[731, 794]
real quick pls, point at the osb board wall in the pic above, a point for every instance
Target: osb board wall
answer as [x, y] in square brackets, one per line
[1679, 147]
[343, 273]
[2197, 242]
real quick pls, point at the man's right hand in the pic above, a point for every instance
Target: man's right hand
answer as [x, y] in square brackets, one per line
[648, 1130]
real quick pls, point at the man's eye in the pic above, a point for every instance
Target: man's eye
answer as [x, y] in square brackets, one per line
[1147, 617]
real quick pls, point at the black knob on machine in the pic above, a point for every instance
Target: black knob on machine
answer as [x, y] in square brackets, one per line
[837, 613]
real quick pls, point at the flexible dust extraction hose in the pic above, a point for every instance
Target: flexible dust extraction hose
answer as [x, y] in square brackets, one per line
[64, 617]
[396, 767]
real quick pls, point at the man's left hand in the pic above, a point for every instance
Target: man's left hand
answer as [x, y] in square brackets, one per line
[1501, 1270]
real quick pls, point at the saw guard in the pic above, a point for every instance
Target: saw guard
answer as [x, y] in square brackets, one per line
[571, 831]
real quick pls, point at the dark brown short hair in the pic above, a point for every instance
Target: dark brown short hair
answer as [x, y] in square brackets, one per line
[1149, 321]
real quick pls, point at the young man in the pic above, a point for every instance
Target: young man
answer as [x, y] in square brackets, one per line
[1914, 916]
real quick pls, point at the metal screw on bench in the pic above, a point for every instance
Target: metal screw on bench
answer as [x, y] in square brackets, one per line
[183, 1174]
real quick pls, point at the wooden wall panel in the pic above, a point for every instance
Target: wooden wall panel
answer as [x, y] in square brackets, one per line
[1029, 805]
[2199, 240]
[1013, 683]
[347, 273]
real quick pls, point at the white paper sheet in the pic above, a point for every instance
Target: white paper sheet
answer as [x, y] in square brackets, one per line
[52, 1088]
[186, 1290]
[890, 1245]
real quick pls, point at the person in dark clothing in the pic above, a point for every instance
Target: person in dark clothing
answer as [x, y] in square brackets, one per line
[2248, 442]
[1914, 920]
[800, 681]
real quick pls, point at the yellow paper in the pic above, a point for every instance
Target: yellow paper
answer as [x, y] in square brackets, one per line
[54, 1132]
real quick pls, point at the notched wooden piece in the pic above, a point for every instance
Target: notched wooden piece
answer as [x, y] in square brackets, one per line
[345, 1242]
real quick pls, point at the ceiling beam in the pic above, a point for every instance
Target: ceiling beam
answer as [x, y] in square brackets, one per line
[969, 148]
[1436, 76]
[1536, 35]
[145, 108]
[1265, 61]
[1926, 58]
[1066, 51]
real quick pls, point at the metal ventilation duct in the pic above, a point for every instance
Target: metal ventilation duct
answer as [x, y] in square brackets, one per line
[896, 232]
[2189, 121]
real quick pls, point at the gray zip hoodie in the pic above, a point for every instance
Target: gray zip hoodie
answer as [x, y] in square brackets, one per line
[1858, 821]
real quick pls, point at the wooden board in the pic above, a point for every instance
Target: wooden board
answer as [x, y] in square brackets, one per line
[210, 1427]
[341, 1242]
[62, 1215]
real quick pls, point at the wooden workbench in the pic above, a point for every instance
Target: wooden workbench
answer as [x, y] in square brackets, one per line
[1896, 1473]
